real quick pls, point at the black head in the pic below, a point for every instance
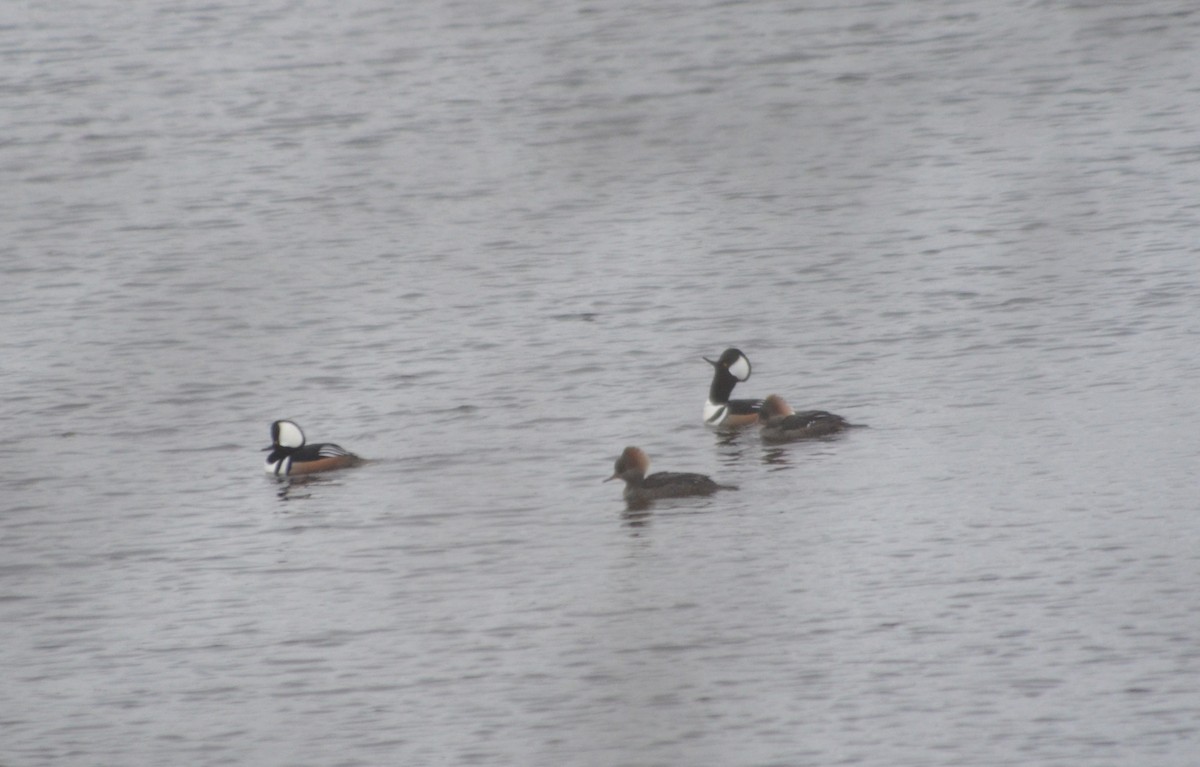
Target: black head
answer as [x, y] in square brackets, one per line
[286, 434]
[733, 362]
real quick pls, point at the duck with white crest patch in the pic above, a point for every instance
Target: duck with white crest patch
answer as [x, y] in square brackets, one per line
[290, 455]
[730, 369]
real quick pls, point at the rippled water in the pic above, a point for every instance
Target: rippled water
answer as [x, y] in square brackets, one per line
[486, 246]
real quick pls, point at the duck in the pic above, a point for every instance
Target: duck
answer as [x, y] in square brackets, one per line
[730, 369]
[780, 423]
[632, 466]
[290, 455]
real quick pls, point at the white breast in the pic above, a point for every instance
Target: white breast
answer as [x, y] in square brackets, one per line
[714, 413]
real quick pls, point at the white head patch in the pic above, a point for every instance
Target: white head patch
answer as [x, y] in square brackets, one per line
[290, 435]
[740, 369]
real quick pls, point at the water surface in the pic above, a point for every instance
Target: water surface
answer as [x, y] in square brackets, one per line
[486, 247]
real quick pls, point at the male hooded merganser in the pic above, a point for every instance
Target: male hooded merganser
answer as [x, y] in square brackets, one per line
[782, 424]
[632, 467]
[719, 410]
[290, 456]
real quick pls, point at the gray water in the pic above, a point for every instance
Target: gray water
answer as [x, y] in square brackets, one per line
[485, 245]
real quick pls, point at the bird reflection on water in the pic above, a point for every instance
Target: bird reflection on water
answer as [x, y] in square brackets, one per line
[298, 488]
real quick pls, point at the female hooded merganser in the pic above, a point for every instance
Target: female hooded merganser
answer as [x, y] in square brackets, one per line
[782, 424]
[632, 467]
[290, 456]
[719, 410]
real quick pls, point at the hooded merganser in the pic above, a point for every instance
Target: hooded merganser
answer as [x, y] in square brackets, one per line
[290, 456]
[782, 424]
[632, 467]
[719, 410]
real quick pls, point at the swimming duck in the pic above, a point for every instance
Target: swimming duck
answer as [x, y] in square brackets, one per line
[291, 456]
[632, 467]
